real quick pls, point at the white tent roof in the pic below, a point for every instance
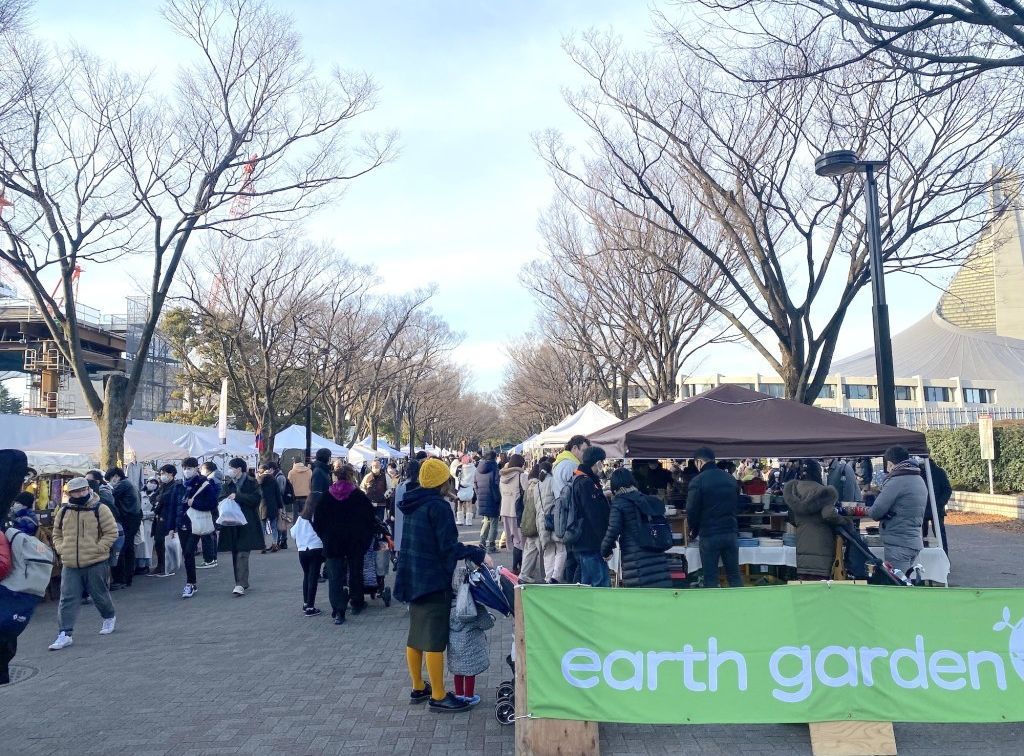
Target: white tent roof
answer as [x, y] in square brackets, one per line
[360, 453]
[588, 419]
[294, 437]
[384, 446]
[140, 444]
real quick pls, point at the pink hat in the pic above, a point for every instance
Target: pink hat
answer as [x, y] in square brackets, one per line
[466, 459]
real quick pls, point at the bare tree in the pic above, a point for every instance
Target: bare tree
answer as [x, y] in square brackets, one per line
[610, 278]
[265, 317]
[100, 167]
[726, 164]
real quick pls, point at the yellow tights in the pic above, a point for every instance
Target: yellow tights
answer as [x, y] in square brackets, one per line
[435, 670]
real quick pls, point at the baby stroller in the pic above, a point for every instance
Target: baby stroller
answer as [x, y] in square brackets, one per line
[860, 562]
[505, 696]
[375, 564]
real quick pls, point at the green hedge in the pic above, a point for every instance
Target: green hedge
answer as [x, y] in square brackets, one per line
[958, 451]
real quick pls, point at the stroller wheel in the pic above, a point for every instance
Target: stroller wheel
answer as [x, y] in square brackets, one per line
[505, 712]
[505, 690]
[386, 595]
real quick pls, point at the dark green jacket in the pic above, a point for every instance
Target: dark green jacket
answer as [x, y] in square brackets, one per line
[248, 537]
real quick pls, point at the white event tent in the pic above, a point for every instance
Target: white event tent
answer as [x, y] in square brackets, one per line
[360, 453]
[294, 437]
[385, 447]
[590, 418]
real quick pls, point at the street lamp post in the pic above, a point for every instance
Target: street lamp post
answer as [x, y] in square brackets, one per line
[838, 163]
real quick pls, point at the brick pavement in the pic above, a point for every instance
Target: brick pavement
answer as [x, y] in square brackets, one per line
[222, 675]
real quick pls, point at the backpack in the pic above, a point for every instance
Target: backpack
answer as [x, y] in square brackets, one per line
[654, 533]
[31, 564]
[568, 519]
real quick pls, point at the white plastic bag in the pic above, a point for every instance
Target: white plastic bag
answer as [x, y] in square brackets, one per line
[230, 513]
[202, 522]
[172, 555]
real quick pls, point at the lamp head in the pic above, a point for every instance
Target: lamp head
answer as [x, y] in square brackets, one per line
[836, 163]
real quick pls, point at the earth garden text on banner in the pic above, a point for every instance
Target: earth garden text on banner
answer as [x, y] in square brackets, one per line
[799, 653]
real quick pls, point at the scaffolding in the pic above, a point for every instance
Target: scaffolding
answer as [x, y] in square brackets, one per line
[159, 374]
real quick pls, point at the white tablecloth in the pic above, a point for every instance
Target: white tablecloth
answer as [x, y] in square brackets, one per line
[933, 561]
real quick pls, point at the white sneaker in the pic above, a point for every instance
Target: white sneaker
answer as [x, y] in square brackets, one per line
[189, 590]
[63, 641]
[108, 626]
[239, 590]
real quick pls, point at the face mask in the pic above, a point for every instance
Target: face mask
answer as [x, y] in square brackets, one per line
[236, 473]
[79, 501]
[189, 473]
[166, 478]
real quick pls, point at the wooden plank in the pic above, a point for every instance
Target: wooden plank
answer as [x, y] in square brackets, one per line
[546, 737]
[852, 739]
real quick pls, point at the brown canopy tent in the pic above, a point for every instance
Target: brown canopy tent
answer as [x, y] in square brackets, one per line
[737, 422]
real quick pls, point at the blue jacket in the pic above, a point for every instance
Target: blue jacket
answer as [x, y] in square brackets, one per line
[487, 482]
[203, 501]
[169, 500]
[430, 546]
[711, 502]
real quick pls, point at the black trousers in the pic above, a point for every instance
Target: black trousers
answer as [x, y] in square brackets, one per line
[310, 559]
[125, 570]
[8, 648]
[189, 543]
[338, 568]
[158, 549]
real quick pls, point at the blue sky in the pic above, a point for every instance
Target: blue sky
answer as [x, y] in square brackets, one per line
[466, 83]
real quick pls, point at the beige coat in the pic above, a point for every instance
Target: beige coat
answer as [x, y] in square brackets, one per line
[300, 476]
[513, 480]
[83, 536]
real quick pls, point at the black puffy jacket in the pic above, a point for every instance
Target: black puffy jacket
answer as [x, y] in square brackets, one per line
[640, 568]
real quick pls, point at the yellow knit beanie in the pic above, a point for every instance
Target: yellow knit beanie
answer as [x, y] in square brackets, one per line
[433, 473]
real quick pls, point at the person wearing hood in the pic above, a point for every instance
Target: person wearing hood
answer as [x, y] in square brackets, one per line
[513, 483]
[239, 540]
[84, 530]
[486, 485]
[639, 567]
[320, 479]
[812, 509]
[430, 551]
[129, 504]
[200, 493]
[899, 509]
[530, 525]
[552, 548]
[345, 521]
[412, 471]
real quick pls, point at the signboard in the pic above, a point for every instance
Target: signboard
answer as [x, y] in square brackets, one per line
[988, 444]
[798, 653]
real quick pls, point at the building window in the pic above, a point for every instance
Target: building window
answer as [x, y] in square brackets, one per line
[828, 391]
[750, 386]
[635, 392]
[859, 391]
[906, 393]
[936, 394]
[979, 396]
[778, 390]
[692, 389]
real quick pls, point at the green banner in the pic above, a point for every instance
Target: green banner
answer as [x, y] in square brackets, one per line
[797, 653]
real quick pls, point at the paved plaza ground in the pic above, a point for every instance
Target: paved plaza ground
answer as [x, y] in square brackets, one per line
[223, 675]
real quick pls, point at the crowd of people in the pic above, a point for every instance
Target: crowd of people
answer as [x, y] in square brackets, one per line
[563, 518]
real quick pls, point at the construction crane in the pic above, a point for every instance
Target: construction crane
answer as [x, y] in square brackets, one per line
[57, 295]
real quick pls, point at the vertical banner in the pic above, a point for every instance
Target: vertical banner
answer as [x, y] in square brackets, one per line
[222, 417]
[799, 653]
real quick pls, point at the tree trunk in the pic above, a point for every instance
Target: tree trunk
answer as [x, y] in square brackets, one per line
[113, 420]
[373, 434]
[412, 431]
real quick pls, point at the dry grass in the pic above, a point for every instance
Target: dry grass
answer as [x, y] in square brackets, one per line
[990, 521]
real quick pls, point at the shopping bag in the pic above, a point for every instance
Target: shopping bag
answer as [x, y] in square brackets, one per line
[230, 513]
[465, 606]
[202, 522]
[172, 555]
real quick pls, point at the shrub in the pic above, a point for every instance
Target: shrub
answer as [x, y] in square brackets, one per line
[958, 451]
